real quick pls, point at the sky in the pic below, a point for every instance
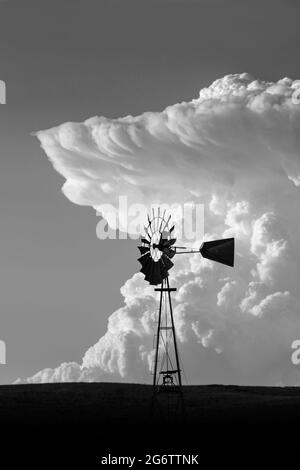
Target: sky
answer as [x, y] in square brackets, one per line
[72, 60]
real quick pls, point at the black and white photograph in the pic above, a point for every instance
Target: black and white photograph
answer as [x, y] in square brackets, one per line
[150, 232]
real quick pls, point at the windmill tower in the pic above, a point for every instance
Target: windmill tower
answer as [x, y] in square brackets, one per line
[157, 250]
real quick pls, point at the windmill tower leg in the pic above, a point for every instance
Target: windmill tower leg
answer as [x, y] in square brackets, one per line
[158, 338]
[167, 402]
[174, 334]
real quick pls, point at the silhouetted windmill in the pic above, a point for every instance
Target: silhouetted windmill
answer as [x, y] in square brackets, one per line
[157, 250]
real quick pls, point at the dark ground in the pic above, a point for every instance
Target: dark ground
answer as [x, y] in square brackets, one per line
[92, 420]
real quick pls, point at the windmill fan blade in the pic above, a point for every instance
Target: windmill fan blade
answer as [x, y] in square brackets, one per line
[146, 268]
[154, 275]
[144, 240]
[169, 252]
[163, 244]
[143, 249]
[172, 228]
[163, 270]
[172, 241]
[221, 251]
[144, 259]
[167, 262]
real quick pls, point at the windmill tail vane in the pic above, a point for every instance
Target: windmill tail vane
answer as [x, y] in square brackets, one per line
[221, 251]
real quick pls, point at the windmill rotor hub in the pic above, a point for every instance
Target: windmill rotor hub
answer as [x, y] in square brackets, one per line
[155, 251]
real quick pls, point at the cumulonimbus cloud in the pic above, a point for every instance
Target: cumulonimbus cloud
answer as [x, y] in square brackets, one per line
[236, 149]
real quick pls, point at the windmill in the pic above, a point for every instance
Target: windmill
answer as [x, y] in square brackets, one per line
[158, 248]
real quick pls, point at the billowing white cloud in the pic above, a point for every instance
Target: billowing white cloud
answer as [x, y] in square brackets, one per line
[236, 149]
